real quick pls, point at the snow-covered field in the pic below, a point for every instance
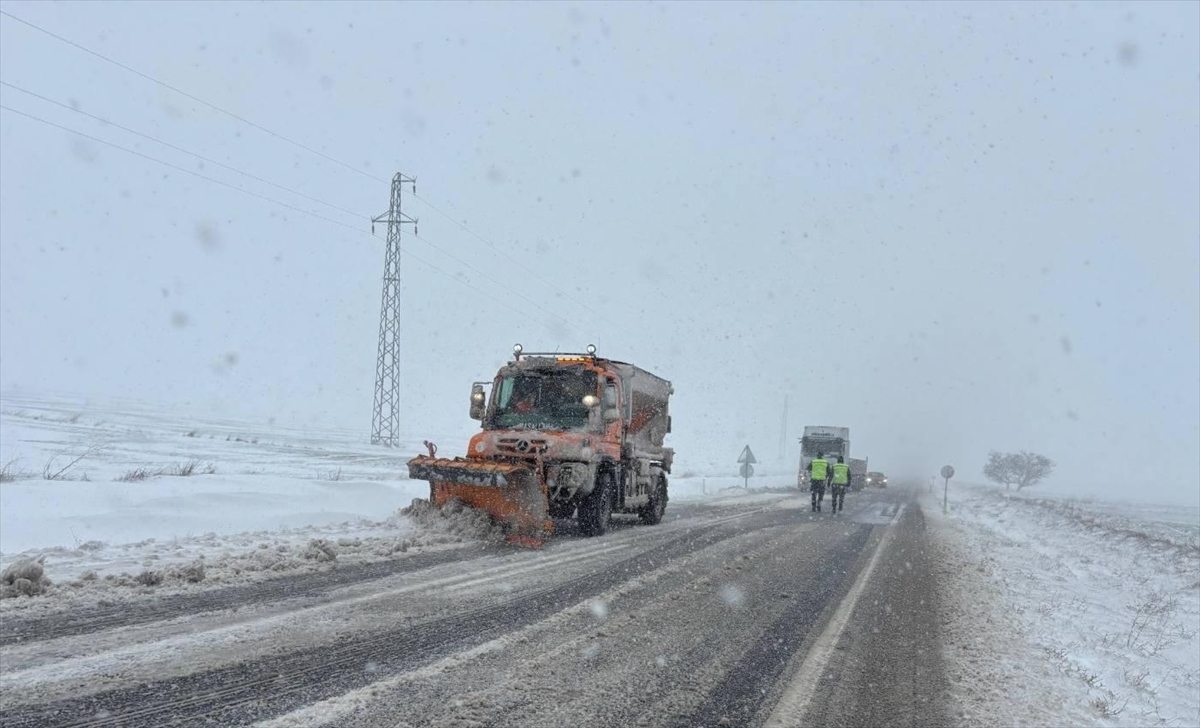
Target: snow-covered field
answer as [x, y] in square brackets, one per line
[98, 490]
[1066, 612]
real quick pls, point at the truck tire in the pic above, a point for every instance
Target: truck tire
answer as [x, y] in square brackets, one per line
[562, 510]
[652, 513]
[596, 507]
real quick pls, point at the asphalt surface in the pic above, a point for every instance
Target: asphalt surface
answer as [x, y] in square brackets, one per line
[705, 620]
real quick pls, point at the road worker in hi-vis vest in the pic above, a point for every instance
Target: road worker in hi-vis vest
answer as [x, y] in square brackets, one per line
[841, 481]
[818, 478]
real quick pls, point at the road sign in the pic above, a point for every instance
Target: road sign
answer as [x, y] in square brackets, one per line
[747, 456]
[947, 473]
[747, 470]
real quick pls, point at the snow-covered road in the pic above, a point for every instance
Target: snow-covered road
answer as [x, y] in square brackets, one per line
[704, 618]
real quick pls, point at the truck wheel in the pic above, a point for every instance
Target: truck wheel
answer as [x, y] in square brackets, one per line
[596, 507]
[562, 510]
[652, 513]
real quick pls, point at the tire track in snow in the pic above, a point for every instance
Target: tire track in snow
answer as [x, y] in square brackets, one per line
[24, 630]
[260, 689]
[18, 629]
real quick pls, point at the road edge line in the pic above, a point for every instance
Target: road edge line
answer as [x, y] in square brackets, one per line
[800, 690]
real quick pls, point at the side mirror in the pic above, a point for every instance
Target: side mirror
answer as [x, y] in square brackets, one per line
[478, 401]
[612, 412]
[668, 423]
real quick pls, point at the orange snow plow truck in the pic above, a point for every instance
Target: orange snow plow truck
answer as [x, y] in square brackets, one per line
[563, 435]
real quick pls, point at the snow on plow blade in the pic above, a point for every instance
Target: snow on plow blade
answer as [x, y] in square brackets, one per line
[461, 470]
[510, 493]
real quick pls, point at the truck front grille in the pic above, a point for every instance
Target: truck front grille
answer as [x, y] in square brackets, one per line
[521, 447]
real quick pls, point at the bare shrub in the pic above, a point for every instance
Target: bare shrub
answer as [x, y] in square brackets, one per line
[183, 470]
[9, 472]
[320, 550]
[136, 475]
[1092, 679]
[192, 467]
[192, 573]
[52, 471]
[330, 475]
[26, 577]
[1051, 607]
[1106, 704]
[1152, 628]
[149, 577]
[1135, 679]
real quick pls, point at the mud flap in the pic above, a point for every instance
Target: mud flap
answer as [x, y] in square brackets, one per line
[511, 493]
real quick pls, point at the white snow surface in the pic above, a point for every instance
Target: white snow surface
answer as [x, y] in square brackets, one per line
[1067, 612]
[271, 492]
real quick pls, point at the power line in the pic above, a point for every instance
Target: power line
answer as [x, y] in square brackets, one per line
[281, 137]
[197, 99]
[467, 265]
[177, 167]
[251, 176]
[180, 149]
[488, 243]
[297, 209]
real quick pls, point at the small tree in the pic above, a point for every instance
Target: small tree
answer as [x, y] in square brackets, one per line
[1021, 469]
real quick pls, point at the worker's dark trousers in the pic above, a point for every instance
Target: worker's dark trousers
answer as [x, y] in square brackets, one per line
[838, 496]
[818, 494]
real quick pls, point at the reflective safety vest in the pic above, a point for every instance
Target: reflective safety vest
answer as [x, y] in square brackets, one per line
[841, 474]
[820, 469]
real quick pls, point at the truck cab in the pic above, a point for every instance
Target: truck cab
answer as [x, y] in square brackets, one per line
[834, 442]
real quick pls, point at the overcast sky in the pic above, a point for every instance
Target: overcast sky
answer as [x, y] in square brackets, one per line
[951, 227]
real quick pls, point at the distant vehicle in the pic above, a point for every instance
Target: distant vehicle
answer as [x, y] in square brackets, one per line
[858, 473]
[876, 479]
[563, 435]
[832, 441]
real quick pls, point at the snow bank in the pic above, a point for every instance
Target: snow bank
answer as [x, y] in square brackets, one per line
[697, 487]
[117, 476]
[95, 493]
[1065, 613]
[454, 523]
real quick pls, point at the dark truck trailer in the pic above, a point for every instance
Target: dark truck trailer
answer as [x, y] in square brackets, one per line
[858, 473]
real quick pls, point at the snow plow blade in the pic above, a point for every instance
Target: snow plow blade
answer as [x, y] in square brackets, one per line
[511, 493]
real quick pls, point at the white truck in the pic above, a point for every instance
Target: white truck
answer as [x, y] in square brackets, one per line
[832, 441]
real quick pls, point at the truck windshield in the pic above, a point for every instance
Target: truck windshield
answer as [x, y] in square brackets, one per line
[810, 447]
[543, 399]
